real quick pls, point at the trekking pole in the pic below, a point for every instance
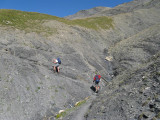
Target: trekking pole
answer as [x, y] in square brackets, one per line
[104, 80]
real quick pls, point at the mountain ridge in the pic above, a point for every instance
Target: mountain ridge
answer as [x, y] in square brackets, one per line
[123, 8]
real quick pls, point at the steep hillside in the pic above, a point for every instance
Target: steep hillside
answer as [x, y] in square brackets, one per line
[30, 90]
[134, 44]
[29, 87]
[134, 91]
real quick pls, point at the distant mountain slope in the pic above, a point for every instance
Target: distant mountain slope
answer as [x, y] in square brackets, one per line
[87, 13]
[132, 6]
[123, 8]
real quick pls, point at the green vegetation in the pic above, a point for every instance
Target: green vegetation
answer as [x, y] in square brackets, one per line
[56, 90]
[32, 21]
[158, 115]
[146, 102]
[154, 118]
[61, 87]
[38, 88]
[67, 111]
[95, 23]
[28, 21]
[158, 73]
[80, 103]
[62, 114]
[28, 88]
[140, 116]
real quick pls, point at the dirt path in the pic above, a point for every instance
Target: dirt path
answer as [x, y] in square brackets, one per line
[80, 112]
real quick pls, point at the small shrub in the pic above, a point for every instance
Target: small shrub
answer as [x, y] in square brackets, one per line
[140, 116]
[67, 111]
[62, 114]
[145, 103]
[80, 103]
[38, 88]
[28, 88]
[56, 90]
[158, 115]
[158, 73]
[154, 118]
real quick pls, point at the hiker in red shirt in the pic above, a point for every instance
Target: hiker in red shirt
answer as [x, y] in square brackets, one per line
[97, 79]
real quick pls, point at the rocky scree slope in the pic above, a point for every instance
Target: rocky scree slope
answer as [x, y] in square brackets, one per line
[32, 91]
[134, 44]
[134, 91]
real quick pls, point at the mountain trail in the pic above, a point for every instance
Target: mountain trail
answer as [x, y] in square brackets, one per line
[81, 112]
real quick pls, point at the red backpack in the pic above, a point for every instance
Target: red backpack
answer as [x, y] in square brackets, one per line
[97, 78]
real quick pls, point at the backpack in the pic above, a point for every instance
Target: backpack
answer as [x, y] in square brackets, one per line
[97, 80]
[59, 60]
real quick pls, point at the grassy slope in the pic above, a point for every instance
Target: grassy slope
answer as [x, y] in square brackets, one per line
[32, 21]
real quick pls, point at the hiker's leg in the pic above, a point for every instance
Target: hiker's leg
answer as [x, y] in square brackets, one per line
[58, 69]
[54, 68]
[96, 89]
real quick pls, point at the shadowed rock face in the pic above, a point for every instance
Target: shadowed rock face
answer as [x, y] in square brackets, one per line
[31, 90]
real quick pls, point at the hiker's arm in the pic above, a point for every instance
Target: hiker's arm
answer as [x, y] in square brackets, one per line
[54, 60]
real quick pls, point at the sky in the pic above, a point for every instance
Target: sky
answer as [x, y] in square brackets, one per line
[59, 8]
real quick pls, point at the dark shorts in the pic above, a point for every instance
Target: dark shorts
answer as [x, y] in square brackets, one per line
[97, 81]
[96, 84]
[57, 65]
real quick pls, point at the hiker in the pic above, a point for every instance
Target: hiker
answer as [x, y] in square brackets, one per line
[97, 79]
[57, 63]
